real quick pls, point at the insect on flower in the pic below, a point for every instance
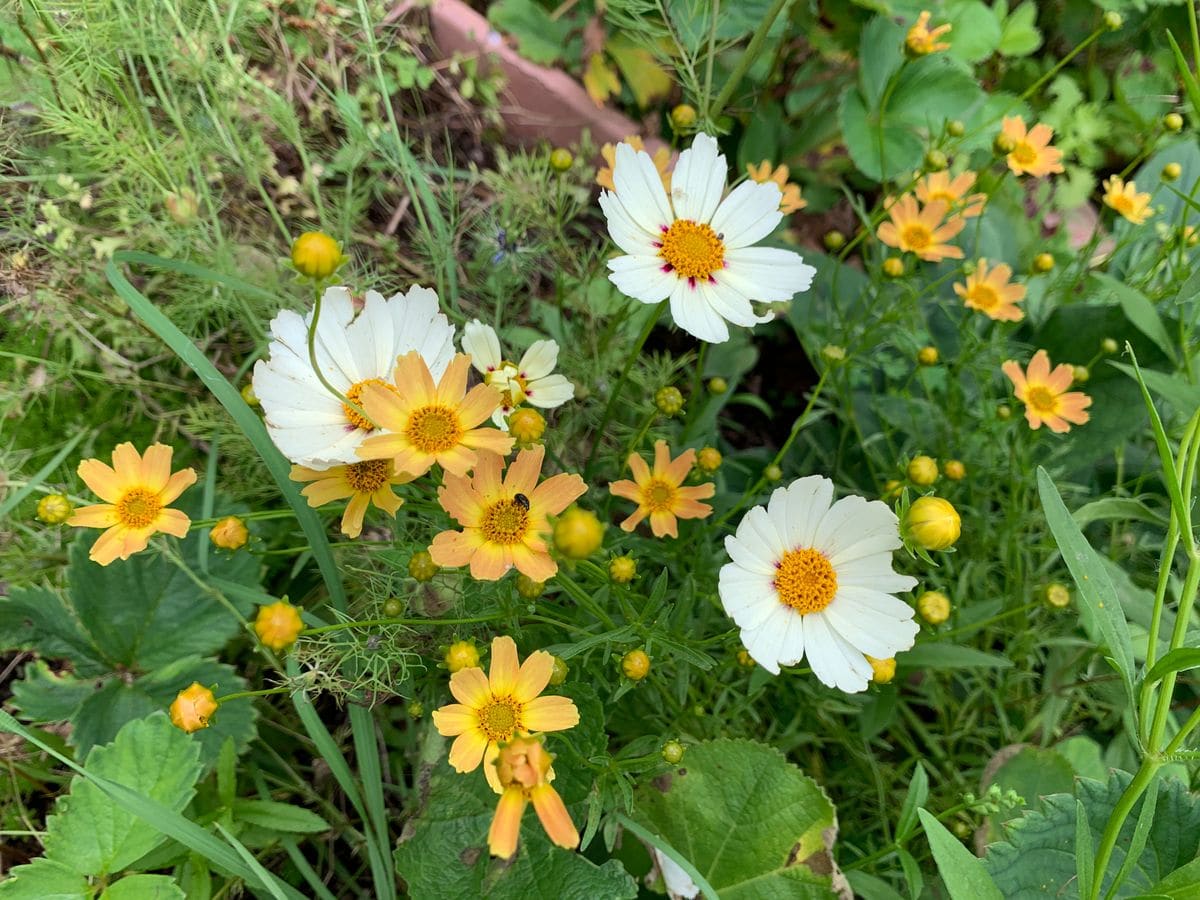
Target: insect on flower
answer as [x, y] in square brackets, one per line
[521, 500]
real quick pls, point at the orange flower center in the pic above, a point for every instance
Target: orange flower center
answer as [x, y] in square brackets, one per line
[368, 477]
[984, 295]
[692, 250]
[1042, 399]
[1121, 203]
[356, 418]
[505, 522]
[138, 508]
[499, 718]
[1025, 153]
[433, 429]
[805, 580]
[916, 236]
[659, 495]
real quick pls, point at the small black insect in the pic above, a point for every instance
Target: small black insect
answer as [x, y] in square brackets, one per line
[521, 500]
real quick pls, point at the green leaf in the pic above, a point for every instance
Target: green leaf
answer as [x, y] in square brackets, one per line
[914, 799]
[940, 655]
[975, 33]
[879, 151]
[144, 887]
[1033, 772]
[150, 756]
[45, 696]
[1109, 508]
[962, 872]
[751, 823]
[1177, 391]
[1182, 884]
[880, 56]
[43, 879]
[540, 39]
[1138, 309]
[1091, 578]
[279, 816]
[1019, 35]
[1181, 659]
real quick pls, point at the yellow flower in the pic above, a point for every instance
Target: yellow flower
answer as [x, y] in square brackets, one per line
[1045, 395]
[54, 509]
[523, 768]
[659, 493]
[1031, 152]
[933, 523]
[1124, 198]
[661, 158]
[921, 41]
[278, 625]
[578, 533]
[461, 655]
[762, 173]
[230, 533]
[922, 231]
[432, 423]
[934, 607]
[137, 490]
[364, 483]
[991, 293]
[922, 470]
[882, 670]
[939, 186]
[193, 707]
[316, 255]
[504, 522]
[500, 706]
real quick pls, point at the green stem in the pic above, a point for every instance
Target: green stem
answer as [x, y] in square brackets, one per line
[375, 623]
[747, 60]
[312, 356]
[265, 692]
[1137, 787]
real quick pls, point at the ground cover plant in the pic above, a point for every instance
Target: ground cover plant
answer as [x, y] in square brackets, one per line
[791, 499]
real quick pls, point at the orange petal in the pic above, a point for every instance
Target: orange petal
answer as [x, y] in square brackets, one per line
[662, 523]
[555, 494]
[690, 509]
[533, 676]
[1014, 373]
[492, 439]
[385, 498]
[637, 466]
[173, 522]
[1039, 367]
[506, 823]
[627, 489]
[407, 459]
[352, 518]
[470, 687]
[156, 466]
[177, 484]
[100, 515]
[662, 457]
[535, 564]
[127, 463]
[453, 385]
[455, 548]
[489, 562]
[101, 479]
[458, 460]
[633, 521]
[453, 719]
[505, 666]
[550, 713]
[523, 472]
[554, 816]
[328, 489]
[108, 546]
[413, 378]
[478, 405]
[678, 470]
[489, 767]
[460, 500]
[467, 750]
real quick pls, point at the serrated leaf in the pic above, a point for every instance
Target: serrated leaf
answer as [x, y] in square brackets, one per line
[94, 837]
[144, 887]
[962, 872]
[279, 816]
[45, 696]
[1019, 36]
[751, 823]
[976, 31]
[45, 880]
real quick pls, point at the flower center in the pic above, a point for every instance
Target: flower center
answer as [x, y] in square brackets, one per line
[984, 296]
[1042, 399]
[369, 476]
[500, 718]
[138, 508]
[805, 580]
[1121, 203]
[433, 429]
[659, 495]
[1024, 153]
[356, 418]
[692, 250]
[505, 522]
[916, 237]
[948, 198]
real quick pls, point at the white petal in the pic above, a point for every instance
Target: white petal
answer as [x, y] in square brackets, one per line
[845, 520]
[698, 180]
[479, 342]
[792, 651]
[677, 881]
[748, 214]
[765, 642]
[642, 277]
[875, 533]
[730, 304]
[746, 596]
[760, 527]
[549, 392]
[886, 582]
[766, 273]
[628, 234]
[419, 325]
[337, 311]
[539, 360]
[808, 501]
[833, 661]
[692, 313]
[873, 603]
[751, 555]
[372, 336]
[640, 189]
[878, 638]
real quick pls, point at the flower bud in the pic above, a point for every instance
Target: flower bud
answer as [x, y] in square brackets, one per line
[893, 267]
[882, 670]
[193, 708]
[1057, 594]
[1173, 122]
[956, 128]
[922, 470]
[1171, 171]
[392, 607]
[954, 470]
[561, 159]
[1109, 346]
[622, 569]
[578, 533]
[229, 534]
[558, 674]
[528, 588]
[934, 607]
[416, 709]
[833, 353]
[54, 509]
[834, 240]
[708, 460]
[421, 566]
[891, 489]
[745, 660]
[683, 117]
[1043, 263]
[928, 356]
[717, 386]
[1113, 20]
[772, 472]
[526, 425]
[278, 625]
[461, 655]
[1003, 144]
[1003, 412]
[933, 523]
[1081, 374]
[935, 160]
[316, 255]
[672, 752]
[635, 664]
[669, 401]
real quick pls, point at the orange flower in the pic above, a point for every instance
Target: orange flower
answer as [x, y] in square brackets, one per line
[1125, 199]
[939, 186]
[497, 707]
[1045, 393]
[762, 173]
[991, 293]
[504, 522]
[1031, 153]
[431, 424]
[278, 625]
[363, 482]
[137, 490]
[661, 158]
[525, 773]
[922, 231]
[193, 707]
[921, 40]
[660, 495]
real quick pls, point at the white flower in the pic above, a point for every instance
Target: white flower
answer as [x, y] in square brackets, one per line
[694, 247]
[810, 579]
[309, 425]
[530, 380]
[678, 883]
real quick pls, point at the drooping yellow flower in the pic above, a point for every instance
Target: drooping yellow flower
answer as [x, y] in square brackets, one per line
[661, 158]
[1123, 196]
[923, 231]
[921, 40]
[502, 705]
[136, 491]
[762, 173]
[230, 533]
[954, 191]
[363, 483]
[193, 707]
[1031, 152]
[525, 773]
[505, 522]
[659, 493]
[432, 423]
[1045, 395]
[991, 293]
[278, 625]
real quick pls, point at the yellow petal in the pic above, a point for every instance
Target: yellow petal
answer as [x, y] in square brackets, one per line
[470, 687]
[554, 816]
[505, 667]
[467, 750]
[550, 713]
[534, 676]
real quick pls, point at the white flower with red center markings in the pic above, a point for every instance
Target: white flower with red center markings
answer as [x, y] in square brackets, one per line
[532, 380]
[811, 579]
[694, 248]
[309, 425]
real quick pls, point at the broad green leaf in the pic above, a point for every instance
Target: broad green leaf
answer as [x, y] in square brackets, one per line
[975, 33]
[880, 56]
[45, 696]
[1138, 309]
[150, 756]
[1108, 508]
[1019, 35]
[1038, 858]
[1180, 393]
[45, 880]
[962, 871]
[279, 816]
[1182, 884]
[1091, 578]
[144, 887]
[1181, 659]
[879, 151]
[540, 39]
[938, 655]
[1033, 772]
[751, 823]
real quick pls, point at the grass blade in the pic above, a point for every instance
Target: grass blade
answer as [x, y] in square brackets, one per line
[13, 500]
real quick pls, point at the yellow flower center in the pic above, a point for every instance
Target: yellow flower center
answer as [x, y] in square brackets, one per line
[983, 295]
[1121, 203]
[1042, 399]
[505, 522]
[916, 236]
[369, 476]
[356, 418]
[805, 580]
[692, 250]
[1025, 153]
[500, 718]
[138, 508]
[433, 429]
[659, 495]
[946, 196]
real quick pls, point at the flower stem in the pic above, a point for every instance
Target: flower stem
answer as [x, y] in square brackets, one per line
[1142, 780]
[312, 357]
[374, 623]
[747, 60]
[265, 692]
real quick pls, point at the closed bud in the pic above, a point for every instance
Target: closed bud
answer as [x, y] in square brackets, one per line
[193, 708]
[558, 674]
[421, 566]
[745, 660]
[933, 523]
[683, 117]
[316, 255]
[1003, 144]
[1043, 263]
[956, 128]
[526, 425]
[669, 401]
[772, 472]
[891, 489]
[528, 588]
[578, 533]
[893, 267]
[954, 470]
[278, 625]
[1080, 374]
[622, 569]
[1171, 171]
[834, 240]
[1113, 20]
[672, 752]
[1057, 595]
[54, 509]
[416, 709]
[635, 664]
[393, 607]
[182, 206]
[922, 470]
[928, 356]
[462, 655]
[882, 670]
[230, 533]
[934, 607]
[708, 460]
[717, 386]
[935, 160]
[1109, 346]
[1003, 412]
[1173, 122]
[561, 159]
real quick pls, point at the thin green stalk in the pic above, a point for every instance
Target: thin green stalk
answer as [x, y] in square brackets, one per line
[376, 623]
[743, 66]
[265, 692]
[1108, 841]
